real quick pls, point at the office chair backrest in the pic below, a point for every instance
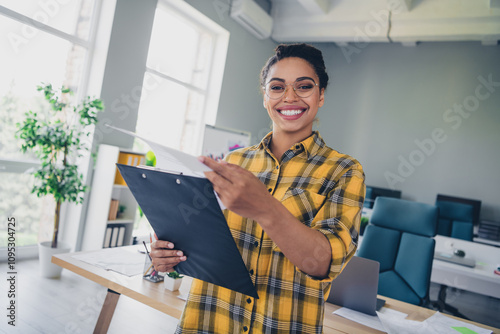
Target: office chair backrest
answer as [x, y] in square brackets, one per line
[455, 211]
[373, 192]
[399, 236]
[476, 204]
[457, 216]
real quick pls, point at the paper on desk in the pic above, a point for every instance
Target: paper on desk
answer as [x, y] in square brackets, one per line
[369, 320]
[437, 324]
[126, 261]
[170, 159]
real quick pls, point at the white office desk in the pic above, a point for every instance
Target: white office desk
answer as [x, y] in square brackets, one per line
[479, 279]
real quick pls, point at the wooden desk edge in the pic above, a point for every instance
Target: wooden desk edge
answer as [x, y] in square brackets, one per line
[62, 261]
[417, 313]
[414, 312]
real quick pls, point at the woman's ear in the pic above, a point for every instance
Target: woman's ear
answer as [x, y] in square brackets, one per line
[264, 103]
[321, 97]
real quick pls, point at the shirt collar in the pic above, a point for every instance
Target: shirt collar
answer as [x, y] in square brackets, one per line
[311, 144]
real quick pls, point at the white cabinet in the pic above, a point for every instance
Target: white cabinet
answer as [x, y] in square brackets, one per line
[101, 231]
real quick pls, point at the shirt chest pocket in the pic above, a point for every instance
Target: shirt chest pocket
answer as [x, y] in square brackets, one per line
[303, 204]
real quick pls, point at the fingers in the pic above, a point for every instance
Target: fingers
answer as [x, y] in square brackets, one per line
[164, 257]
[223, 168]
[158, 244]
[218, 181]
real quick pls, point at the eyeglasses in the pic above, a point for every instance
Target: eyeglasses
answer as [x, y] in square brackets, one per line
[275, 89]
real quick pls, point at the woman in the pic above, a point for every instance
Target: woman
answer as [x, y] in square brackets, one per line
[294, 207]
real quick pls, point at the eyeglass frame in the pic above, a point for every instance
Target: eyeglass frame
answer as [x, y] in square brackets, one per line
[287, 84]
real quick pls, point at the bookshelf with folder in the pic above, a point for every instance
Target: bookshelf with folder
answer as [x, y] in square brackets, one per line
[104, 226]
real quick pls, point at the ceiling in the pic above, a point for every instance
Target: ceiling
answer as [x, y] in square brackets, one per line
[400, 21]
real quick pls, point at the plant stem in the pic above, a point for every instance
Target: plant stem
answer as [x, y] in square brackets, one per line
[56, 224]
[58, 206]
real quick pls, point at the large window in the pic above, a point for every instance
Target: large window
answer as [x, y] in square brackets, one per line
[41, 42]
[183, 76]
[182, 81]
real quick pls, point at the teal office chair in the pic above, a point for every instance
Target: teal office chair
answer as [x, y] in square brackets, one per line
[373, 192]
[399, 237]
[457, 216]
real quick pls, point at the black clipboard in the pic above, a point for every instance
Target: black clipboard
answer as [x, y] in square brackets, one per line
[183, 209]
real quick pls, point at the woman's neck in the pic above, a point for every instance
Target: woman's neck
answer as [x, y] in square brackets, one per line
[282, 141]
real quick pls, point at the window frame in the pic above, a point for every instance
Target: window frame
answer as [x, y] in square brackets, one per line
[217, 61]
[88, 85]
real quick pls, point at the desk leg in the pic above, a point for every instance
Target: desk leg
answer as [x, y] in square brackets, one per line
[443, 306]
[108, 308]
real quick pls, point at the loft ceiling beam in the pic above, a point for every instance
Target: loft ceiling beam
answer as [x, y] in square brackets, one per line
[400, 21]
[316, 6]
[494, 3]
[399, 5]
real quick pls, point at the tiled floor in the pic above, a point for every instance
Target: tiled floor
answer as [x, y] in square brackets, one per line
[72, 303]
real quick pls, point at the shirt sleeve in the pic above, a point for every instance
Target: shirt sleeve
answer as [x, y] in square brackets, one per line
[339, 218]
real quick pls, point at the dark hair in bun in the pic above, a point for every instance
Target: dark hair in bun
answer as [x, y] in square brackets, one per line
[307, 52]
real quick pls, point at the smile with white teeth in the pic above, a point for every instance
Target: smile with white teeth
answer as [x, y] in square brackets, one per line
[290, 112]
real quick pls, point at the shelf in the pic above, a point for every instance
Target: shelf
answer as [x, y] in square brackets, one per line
[120, 221]
[99, 230]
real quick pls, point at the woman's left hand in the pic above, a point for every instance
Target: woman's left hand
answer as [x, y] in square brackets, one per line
[239, 190]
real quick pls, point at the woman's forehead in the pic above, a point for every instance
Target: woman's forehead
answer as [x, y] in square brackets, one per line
[292, 68]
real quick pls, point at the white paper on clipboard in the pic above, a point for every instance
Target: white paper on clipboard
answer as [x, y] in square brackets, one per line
[172, 160]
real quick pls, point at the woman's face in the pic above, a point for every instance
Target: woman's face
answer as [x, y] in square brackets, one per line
[291, 114]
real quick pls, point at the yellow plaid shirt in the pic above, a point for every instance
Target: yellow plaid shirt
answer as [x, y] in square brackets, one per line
[324, 190]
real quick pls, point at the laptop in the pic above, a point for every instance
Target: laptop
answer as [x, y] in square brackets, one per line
[356, 287]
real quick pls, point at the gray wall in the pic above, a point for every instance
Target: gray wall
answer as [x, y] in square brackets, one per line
[124, 71]
[381, 102]
[402, 112]
[240, 105]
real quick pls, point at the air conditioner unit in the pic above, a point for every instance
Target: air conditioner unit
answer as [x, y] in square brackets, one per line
[251, 16]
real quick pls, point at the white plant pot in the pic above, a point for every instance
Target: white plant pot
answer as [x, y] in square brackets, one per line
[45, 252]
[172, 284]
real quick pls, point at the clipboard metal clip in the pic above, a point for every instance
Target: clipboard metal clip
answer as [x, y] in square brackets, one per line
[156, 169]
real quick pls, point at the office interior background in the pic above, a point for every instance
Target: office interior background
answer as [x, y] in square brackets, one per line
[422, 117]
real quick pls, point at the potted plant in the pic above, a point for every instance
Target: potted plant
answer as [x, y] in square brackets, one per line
[173, 281]
[56, 139]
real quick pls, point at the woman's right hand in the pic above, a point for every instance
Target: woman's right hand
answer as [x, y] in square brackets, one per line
[164, 256]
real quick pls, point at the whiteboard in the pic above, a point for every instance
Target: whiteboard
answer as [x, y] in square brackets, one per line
[218, 142]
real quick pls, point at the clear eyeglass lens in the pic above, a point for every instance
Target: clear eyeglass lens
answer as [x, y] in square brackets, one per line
[303, 88]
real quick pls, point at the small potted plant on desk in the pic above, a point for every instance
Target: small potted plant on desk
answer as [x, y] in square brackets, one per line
[173, 281]
[56, 141]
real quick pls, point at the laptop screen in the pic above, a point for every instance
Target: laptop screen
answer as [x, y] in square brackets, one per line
[356, 287]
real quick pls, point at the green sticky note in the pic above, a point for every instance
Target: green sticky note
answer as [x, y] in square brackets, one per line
[464, 330]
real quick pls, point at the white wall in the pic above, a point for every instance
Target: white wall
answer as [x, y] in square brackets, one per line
[386, 97]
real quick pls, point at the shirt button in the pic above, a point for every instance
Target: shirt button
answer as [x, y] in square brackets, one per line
[277, 167]
[245, 328]
[297, 147]
[249, 300]
[270, 189]
[256, 244]
[251, 271]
